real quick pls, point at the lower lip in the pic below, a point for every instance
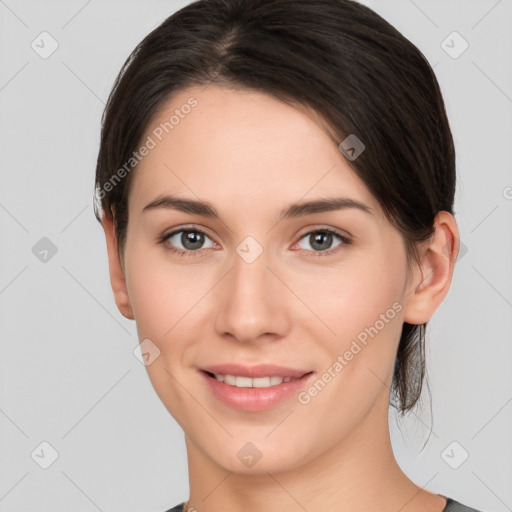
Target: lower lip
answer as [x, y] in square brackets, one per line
[255, 399]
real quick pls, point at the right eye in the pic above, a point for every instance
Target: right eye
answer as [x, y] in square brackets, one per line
[185, 242]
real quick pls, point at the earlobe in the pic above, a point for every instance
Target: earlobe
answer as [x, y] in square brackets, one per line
[432, 277]
[117, 278]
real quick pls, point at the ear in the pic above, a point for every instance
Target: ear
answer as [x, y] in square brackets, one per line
[432, 277]
[117, 279]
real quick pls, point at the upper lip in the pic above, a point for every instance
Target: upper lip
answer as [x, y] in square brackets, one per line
[260, 370]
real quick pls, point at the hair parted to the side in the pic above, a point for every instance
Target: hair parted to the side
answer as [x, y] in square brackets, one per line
[336, 58]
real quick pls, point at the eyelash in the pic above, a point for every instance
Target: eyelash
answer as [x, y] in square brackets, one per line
[164, 239]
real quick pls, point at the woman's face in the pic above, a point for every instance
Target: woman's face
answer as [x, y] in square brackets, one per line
[259, 287]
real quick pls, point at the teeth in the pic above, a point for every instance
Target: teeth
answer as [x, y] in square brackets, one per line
[247, 382]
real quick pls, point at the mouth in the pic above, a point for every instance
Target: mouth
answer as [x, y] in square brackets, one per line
[254, 394]
[241, 381]
[255, 371]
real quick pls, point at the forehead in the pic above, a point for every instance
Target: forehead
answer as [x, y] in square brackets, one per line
[225, 144]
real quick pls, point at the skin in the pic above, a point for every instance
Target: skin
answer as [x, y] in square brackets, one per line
[250, 155]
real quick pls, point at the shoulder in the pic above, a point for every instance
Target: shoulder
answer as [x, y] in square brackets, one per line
[177, 508]
[455, 506]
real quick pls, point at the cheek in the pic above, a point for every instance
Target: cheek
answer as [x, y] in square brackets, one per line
[167, 305]
[164, 295]
[360, 304]
[353, 295]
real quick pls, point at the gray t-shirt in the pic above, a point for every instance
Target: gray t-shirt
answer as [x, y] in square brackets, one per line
[451, 506]
[455, 506]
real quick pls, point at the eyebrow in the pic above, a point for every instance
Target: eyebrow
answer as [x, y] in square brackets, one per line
[292, 211]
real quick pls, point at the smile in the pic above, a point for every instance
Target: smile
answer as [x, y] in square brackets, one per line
[246, 382]
[253, 394]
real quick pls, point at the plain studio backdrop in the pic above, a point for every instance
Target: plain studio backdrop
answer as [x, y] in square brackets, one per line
[81, 427]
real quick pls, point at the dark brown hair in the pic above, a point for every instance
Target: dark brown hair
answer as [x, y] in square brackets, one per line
[337, 58]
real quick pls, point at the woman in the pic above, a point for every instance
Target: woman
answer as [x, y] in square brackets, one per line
[276, 182]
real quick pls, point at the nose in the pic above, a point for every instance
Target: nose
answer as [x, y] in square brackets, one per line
[252, 301]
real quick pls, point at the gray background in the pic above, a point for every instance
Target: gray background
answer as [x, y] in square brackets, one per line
[68, 375]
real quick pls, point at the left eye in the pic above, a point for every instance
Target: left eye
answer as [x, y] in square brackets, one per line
[320, 240]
